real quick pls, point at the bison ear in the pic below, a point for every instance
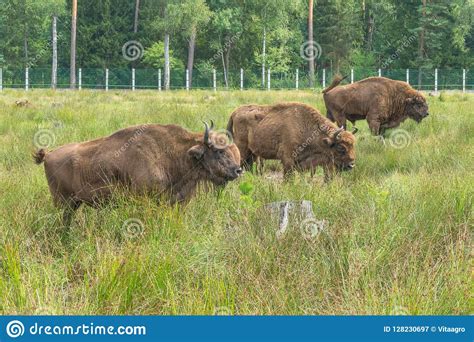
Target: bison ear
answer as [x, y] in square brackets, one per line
[197, 151]
[328, 142]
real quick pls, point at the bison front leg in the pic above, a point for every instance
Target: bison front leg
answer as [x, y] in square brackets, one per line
[340, 119]
[374, 126]
[329, 172]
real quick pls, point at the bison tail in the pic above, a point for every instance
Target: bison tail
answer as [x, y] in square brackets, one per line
[39, 155]
[335, 82]
[230, 124]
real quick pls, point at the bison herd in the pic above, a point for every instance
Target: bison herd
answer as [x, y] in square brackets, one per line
[169, 161]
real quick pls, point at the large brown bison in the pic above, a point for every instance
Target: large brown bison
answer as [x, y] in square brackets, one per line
[163, 160]
[294, 133]
[241, 125]
[383, 102]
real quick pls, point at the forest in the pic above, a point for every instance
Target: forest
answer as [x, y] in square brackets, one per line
[227, 35]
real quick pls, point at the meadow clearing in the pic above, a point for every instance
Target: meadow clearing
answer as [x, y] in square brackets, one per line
[398, 238]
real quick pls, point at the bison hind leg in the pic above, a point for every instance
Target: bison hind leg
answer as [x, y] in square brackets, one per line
[69, 208]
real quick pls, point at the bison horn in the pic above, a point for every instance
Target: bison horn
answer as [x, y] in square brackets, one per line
[336, 134]
[354, 130]
[212, 126]
[206, 133]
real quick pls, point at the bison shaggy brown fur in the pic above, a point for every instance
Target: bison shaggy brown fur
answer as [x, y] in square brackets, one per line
[163, 160]
[383, 102]
[294, 133]
[241, 125]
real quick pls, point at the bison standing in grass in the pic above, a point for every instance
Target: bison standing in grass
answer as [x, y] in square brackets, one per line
[384, 103]
[242, 124]
[294, 133]
[164, 160]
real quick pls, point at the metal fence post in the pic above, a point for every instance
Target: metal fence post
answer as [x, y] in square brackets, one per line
[159, 79]
[214, 83]
[27, 80]
[106, 79]
[380, 72]
[268, 79]
[324, 78]
[133, 78]
[463, 80]
[436, 80]
[297, 79]
[241, 79]
[352, 75]
[1, 79]
[80, 79]
[187, 79]
[408, 76]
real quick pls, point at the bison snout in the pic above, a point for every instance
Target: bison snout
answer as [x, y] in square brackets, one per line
[349, 166]
[235, 173]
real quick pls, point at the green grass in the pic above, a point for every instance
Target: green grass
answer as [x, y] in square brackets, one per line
[398, 238]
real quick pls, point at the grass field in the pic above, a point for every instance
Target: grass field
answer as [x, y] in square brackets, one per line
[397, 239]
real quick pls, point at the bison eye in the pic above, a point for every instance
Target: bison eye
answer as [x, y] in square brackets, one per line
[340, 149]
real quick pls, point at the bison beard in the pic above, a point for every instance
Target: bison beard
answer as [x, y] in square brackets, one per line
[384, 103]
[164, 160]
[294, 133]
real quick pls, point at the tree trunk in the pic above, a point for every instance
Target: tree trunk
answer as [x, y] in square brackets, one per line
[369, 28]
[192, 43]
[72, 73]
[167, 61]
[421, 45]
[135, 23]
[225, 71]
[227, 58]
[311, 47]
[54, 68]
[263, 55]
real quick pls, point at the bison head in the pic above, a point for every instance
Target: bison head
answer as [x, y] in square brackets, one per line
[341, 145]
[416, 108]
[218, 156]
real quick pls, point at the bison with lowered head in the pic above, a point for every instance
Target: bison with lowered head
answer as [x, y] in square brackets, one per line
[294, 133]
[383, 102]
[167, 160]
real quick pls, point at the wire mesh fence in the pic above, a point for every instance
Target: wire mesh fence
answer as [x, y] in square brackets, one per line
[122, 78]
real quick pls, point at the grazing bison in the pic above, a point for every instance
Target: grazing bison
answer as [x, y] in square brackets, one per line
[241, 125]
[157, 159]
[384, 103]
[296, 134]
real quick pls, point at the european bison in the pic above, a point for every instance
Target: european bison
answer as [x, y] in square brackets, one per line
[165, 160]
[384, 103]
[241, 125]
[294, 133]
